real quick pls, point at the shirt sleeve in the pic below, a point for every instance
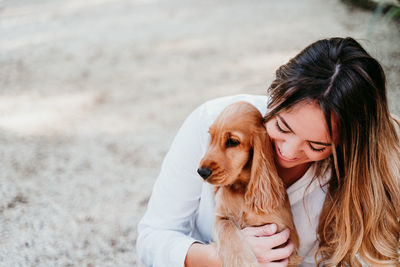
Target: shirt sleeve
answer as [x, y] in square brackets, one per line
[164, 231]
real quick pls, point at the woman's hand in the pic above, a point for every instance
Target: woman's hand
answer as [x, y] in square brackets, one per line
[263, 240]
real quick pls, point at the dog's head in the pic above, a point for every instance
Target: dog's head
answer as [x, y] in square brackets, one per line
[240, 152]
[232, 144]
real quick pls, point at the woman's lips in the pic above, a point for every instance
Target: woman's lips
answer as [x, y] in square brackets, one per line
[278, 151]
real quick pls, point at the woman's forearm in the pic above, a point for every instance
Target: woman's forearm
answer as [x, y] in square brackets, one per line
[202, 255]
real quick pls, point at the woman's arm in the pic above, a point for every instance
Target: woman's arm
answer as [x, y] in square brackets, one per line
[202, 255]
[164, 231]
[262, 240]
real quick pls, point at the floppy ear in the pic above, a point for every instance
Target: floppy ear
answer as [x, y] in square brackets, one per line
[266, 189]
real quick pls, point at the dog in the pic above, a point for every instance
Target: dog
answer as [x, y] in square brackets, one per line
[248, 191]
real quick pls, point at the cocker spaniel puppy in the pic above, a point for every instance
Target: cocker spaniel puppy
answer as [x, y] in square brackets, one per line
[248, 191]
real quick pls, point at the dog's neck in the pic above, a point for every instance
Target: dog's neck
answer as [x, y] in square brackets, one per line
[238, 187]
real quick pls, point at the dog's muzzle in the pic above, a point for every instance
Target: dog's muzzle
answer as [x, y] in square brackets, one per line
[204, 172]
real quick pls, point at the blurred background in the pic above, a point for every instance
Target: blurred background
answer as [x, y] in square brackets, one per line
[92, 93]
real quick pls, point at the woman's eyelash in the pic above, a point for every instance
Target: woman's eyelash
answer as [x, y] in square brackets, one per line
[317, 149]
[283, 131]
[279, 128]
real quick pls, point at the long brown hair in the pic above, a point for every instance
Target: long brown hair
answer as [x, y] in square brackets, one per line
[360, 216]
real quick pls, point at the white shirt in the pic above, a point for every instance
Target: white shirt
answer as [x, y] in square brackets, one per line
[181, 207]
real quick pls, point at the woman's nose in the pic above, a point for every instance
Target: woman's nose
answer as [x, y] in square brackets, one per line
[291, 148]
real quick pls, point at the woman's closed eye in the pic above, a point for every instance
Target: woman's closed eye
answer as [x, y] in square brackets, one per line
[317, 149]
[312, 147]
[280, 128]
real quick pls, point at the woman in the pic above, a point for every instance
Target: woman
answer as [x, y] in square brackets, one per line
[336, 149]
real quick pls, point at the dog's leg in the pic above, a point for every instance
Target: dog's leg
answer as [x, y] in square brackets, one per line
[231, 246]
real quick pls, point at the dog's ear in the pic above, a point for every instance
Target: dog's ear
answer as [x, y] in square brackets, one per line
[266, 189]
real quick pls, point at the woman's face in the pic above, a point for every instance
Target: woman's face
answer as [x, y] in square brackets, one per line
[300, 135]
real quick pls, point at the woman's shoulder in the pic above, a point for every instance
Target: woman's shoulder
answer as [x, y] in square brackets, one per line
[212, 108]
[200, 120]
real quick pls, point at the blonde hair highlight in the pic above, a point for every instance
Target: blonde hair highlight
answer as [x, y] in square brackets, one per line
[359, 221]
[361, 215]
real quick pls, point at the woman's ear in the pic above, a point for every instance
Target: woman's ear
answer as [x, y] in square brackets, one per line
[265, 190]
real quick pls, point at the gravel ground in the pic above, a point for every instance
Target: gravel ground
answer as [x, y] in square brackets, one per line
[92, 93]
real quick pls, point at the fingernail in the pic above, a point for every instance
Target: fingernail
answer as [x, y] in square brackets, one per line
[272, 227]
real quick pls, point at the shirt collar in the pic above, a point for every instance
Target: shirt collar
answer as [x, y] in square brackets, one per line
[302, 187]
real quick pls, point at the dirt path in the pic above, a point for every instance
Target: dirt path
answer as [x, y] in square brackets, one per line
[92, 93]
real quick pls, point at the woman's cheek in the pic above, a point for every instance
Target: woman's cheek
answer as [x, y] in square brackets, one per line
[273, 132]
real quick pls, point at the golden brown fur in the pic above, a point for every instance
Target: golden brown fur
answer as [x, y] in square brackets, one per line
[248, 191]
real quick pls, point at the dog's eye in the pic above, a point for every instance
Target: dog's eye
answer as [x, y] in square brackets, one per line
[231, 142]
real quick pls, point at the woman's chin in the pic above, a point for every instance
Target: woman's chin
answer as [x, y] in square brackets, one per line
[290, 164]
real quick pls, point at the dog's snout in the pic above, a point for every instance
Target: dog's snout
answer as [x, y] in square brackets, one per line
[204, 172]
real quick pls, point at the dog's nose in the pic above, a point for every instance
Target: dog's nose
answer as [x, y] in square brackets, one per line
[204, 172]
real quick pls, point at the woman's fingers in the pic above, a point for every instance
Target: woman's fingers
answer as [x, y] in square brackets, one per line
[265, 244]
[258, 231]
[280, 238]
[272, 241]
[277, 254]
